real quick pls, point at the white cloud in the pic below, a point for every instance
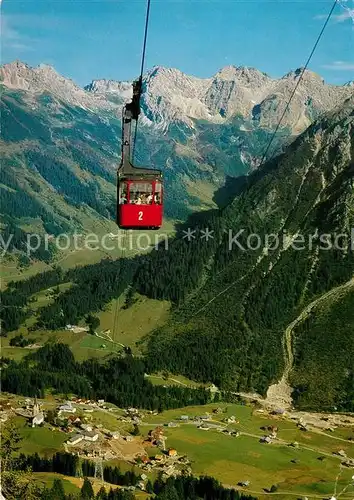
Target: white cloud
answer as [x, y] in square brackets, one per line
[345, 15]
[339, 66]
[11, 38]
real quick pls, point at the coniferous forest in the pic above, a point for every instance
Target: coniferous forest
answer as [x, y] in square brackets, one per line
[119, 380]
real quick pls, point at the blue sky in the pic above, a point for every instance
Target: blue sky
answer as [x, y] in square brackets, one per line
[89, 39]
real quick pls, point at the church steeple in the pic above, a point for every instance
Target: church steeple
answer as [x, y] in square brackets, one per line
[35, 407]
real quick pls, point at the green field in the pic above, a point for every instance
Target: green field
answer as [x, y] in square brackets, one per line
[131, 243]
[234, 459]
[179, 380]
[46, 479]
[11, 272]
[39, 439]
[83, 344]
[135, 322]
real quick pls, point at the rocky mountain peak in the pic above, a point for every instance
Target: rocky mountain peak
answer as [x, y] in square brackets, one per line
[102, 86]
[44, 78]
[169, 95]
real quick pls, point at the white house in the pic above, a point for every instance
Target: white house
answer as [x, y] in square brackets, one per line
[86, 427]
[91, 436]
[75, 439]
[67, 407]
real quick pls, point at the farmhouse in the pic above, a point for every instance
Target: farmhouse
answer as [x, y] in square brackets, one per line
[67, 407]
[265, 439]
[75, 439]
[91, 436]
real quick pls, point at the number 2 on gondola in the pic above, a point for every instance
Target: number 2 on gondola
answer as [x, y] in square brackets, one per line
[140, 215]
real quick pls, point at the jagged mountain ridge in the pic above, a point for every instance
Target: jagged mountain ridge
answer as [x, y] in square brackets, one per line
[171, 96]
[56, 135]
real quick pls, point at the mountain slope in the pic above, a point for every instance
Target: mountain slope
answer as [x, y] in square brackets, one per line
[61, 143]
[236, 302]
[262, 289]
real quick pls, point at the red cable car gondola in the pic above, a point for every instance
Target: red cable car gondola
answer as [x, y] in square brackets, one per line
[139, 190]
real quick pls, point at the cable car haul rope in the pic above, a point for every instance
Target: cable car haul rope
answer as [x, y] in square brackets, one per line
[139, 190]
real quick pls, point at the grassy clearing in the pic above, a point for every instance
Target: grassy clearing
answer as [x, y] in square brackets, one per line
[135, 322]
[79, 254]
[11, 272]
[15, 353]
[157, 379]
[46, 297]
[83, 345]
[71, 484]
[39, 439]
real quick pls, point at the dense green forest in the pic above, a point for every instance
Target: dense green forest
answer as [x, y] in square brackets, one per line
[332, 384]
[119, 380]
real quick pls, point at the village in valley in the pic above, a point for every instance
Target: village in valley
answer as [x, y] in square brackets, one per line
[183, 441]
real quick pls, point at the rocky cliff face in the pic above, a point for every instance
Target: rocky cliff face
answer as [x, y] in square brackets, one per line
[171, 96]
[44, 79]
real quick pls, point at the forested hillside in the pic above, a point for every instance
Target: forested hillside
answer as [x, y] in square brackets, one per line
[233, 300]
[233, 313]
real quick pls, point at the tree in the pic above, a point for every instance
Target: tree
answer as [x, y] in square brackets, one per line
[149, 487]
[216, 397]
[51, 416]
[19, 484]
[57, 490]
[169, 492]
[92, 322]
[87, 490]
[9, 444]
[136, 430]
[102, 494]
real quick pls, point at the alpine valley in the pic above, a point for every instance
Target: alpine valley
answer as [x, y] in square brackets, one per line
[241, 321]
[60, 144]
